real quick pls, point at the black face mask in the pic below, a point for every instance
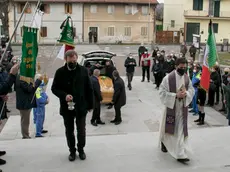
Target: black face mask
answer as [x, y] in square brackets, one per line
[181, 71]
[226, 73]
[72, 65]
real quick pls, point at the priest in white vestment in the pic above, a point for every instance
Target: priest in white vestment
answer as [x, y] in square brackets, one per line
[176, 93]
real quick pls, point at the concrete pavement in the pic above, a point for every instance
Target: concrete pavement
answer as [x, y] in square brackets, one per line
[131, 146]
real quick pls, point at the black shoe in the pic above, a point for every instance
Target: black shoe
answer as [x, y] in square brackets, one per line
[100, 123]
[2, 162]
[191, 111]
[130, 88]
[2, 153]
[117, 122]
[8, 111]
[44, 131]
[39, 136]
[142, 80]
[222, 110]
[201, 122]
[148, 80]
[94, 124]
[0, 170]
[72, 156]
[198, 120]
[183, 160]
[82, 155]
[113, 121]
[26, 137]
[163, 148]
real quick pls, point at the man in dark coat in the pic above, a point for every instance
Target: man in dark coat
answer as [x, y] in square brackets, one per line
[25, 101]
[97, 99]
[5, 87]
[74, 89]
[119, 97]
[109, 68]
[130, 64]
[192, 51]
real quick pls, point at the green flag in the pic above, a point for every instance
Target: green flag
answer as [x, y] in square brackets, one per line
[29, 54]
[67, 34]
[211, 43]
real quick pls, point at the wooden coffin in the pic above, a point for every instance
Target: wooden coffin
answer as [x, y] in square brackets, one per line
[106, 88]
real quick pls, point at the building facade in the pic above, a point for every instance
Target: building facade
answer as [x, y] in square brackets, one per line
[126, 21]
[196, 17]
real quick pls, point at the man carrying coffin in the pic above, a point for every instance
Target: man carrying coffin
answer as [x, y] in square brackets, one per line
[176, 93]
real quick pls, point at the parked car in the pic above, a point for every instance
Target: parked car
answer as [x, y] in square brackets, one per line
[89, 59]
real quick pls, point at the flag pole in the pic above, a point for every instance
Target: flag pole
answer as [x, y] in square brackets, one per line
[37, 6]
[16, 27]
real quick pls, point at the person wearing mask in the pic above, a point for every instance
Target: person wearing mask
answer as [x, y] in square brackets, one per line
[225, 82]
[96, 119]
[192, 51]
[195, 83]
[96, 66]
[5, 87]
[154, 55]
[226, 89]
[169, 65]
[214, 82]
[109, 69]
[158, 73]
[183, 49]
[141, 51]
[73, 87]
[146, 63]
[176, 93]
[119, 97]
[130, 64]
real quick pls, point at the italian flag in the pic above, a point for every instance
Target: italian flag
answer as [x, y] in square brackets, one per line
[210, 57]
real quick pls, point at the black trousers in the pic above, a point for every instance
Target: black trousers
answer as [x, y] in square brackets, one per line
[79, 120]
[217, 94]
[96, 112]
[211, 97]
[117, 113]
[145, 69]
[158, 79]
[130, 78]
[139, 62]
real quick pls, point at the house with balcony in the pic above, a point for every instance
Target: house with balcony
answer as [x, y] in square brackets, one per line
[126, 21]
[193, 16]
[55, 12]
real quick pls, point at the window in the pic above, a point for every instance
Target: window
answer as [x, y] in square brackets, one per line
[145, 10]
[198, 5]
[43, 32]
[215, 27]
[144, 31]
[172, 23]
[110, 31]
[127, 31]
[93, 8]
[111, 9]
[128, 9]
[21, 6]
[45, 8]
[68, 8]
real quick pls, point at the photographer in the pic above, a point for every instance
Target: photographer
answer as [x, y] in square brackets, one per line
[4, 89]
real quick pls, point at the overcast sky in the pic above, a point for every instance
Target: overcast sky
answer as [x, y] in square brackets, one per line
[160, 1]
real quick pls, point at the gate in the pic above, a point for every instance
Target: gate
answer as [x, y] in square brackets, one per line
[168, 37]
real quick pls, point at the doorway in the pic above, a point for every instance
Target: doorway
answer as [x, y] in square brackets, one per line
[93, 34]
[192, 28]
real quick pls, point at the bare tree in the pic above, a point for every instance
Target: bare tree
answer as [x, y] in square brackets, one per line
[160, 12]
[4, 10]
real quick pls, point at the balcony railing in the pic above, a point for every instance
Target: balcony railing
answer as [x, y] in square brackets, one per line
[193, 13]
